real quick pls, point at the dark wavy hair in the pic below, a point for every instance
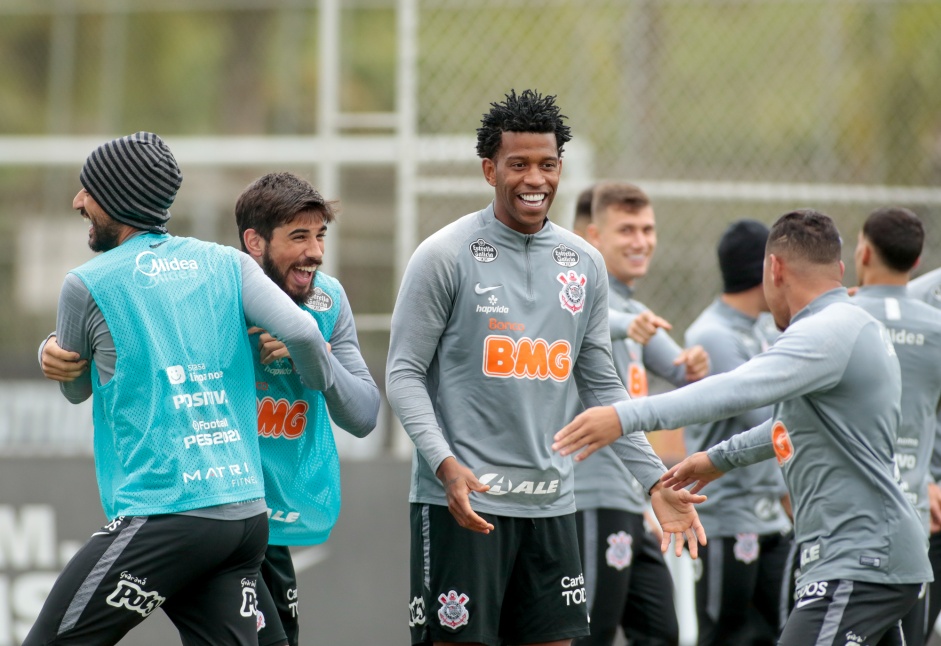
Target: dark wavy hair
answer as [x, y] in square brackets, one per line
[897, 235]
[526, 112]
[275, 199]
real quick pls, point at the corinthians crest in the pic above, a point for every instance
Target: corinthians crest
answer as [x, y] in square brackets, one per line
[573, 291]
[746, 548]
[452, 612]
[620, 550]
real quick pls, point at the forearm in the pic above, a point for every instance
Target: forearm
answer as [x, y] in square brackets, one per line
[410, 402]
[353, 400]
[618, 324]
[639, 458]
[743, 449]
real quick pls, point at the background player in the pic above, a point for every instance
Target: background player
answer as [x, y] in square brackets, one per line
[835, 382]
[888, 249]
[738, 589]
[627, 581]
[499, 316]
[282, 222]
[163, 322]
[927, 288]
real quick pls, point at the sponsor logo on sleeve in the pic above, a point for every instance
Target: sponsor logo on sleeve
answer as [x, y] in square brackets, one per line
[620, 551]
[572, 296]
[483, 251]
[781, 440]
[453, 612]
[319, 300]
[565, 256]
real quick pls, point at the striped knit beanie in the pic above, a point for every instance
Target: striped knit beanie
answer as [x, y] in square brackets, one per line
[134, 179]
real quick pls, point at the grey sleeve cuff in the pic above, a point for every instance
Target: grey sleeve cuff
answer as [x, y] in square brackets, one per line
[619, 322]
[743, 449]
[640, 459]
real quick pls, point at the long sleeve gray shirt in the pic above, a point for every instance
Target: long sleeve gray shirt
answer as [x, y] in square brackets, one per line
[491, 331]
[835, 384]
[603, 481]
[915, 330]
[746, 500]
[927, 288]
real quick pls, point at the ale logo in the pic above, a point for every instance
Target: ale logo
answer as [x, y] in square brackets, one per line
[281, 418]
[781, 441]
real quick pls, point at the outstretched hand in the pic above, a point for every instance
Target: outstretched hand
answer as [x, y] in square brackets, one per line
[678, 519]
[645, 326]
[697, 470]
[459, 482]
[61, 365]
[593, 429]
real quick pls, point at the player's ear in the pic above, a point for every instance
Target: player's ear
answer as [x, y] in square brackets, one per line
[592, 235]
[490, 171]
[254, 243]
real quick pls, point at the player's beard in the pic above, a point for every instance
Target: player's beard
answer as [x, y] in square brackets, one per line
[280, 279]
[104, 236]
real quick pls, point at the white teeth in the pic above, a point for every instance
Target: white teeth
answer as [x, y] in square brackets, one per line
[309, 269]
[532, 197]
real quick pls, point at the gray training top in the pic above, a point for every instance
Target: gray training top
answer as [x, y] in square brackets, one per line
[490, 326]
[835, 384]
[915, 330]
[603, 481]
[927, 288]
[746, 500]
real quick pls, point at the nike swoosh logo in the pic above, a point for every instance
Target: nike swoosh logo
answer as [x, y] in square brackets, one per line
[483, 290]
[807, 602]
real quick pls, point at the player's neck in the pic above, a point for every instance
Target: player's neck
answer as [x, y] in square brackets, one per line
[751, 302]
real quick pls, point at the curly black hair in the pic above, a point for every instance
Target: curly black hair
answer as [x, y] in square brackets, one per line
[528, 112]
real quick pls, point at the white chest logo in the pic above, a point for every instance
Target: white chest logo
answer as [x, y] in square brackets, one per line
[572, 296]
